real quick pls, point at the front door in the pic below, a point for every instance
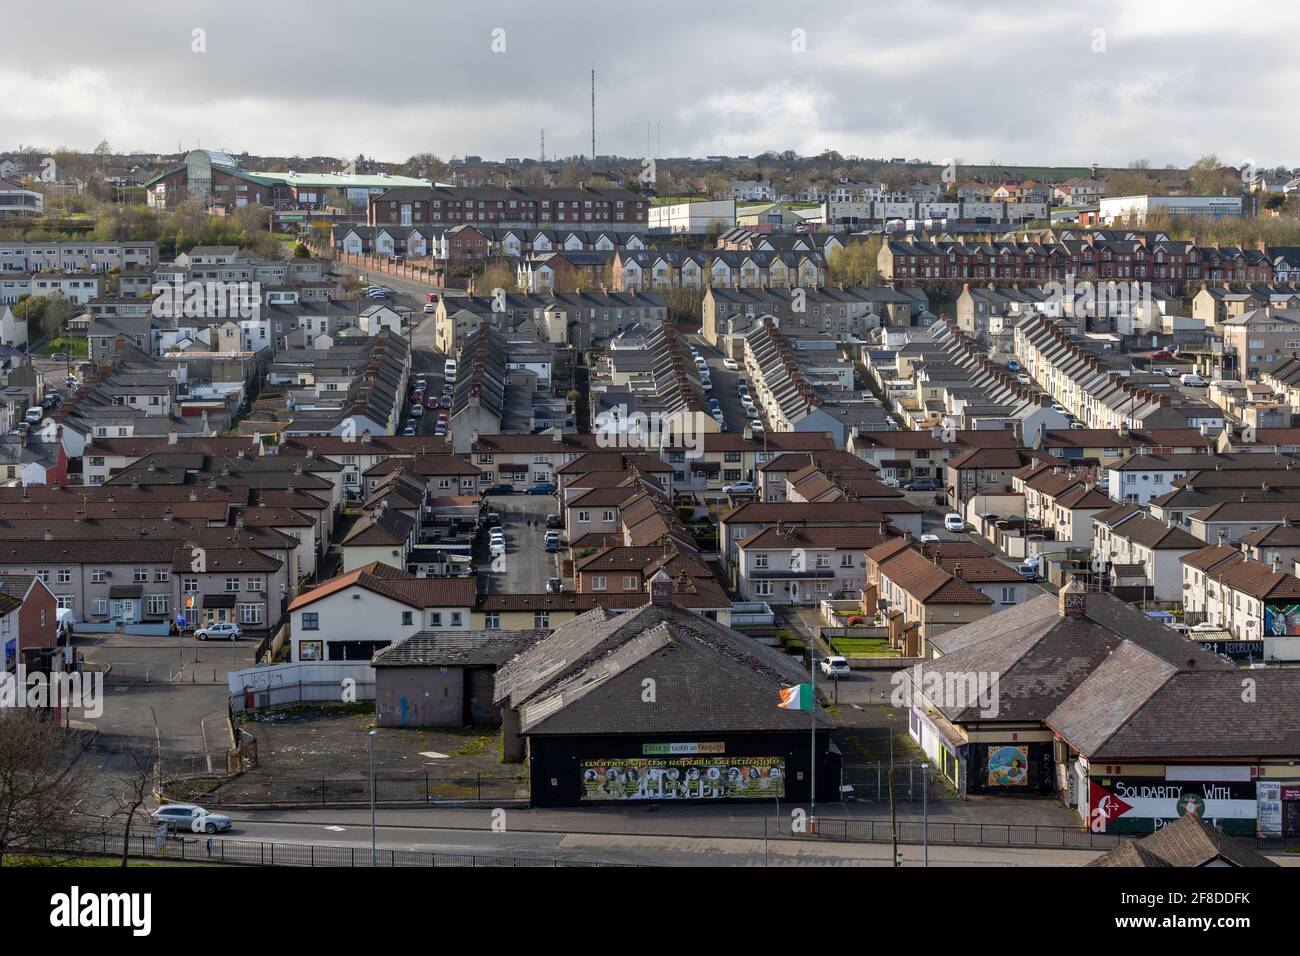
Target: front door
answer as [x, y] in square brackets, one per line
[794, 593]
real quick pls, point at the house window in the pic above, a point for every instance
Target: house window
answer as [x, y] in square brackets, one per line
[435, 619]
[190, 585]
[630, 583]
[250, 614]
[140, 575]
[232, 584]
[310, 621]
[763, 588]
[99, 607]
[161, 575]
[609, 517]
[491, 621]
[457, 619]
[1008, 595]
[760, 560]
[584, 517]
[65, 575]
[846, 560]
[256, 584]
[598, 583]
[408, 618]
[541, 619]
[156, 604]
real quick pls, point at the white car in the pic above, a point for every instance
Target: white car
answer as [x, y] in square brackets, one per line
[730, 365]
[929, 539]
[756, 425]
[739, 488]
[190, 817]
[954, 522]
[224, 631]
[497, 548]
[835, 667]
[430, 307]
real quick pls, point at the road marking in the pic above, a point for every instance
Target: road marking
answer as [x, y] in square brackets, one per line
[337, 829]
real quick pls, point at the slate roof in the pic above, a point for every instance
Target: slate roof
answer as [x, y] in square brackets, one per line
[1187, 842]
[456, 648]
[586, 677]
[1042, 656]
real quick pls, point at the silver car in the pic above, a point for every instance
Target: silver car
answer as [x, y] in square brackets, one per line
[191, 817]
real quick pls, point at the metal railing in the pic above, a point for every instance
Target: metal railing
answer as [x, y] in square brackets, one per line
[252, 790]
[203, 849]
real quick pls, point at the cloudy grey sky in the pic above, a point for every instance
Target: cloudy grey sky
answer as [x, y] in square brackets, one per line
[1043, 81]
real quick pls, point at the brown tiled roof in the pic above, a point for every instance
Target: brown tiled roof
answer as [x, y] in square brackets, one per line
[1151, 533]
[397, 585]
[1257, 580]
[380, 527]
[981, 570]
[828, 512]
[1205, 558]
[928, 582]
[856, 537]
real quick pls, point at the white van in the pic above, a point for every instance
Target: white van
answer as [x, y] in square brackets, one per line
[449, 368]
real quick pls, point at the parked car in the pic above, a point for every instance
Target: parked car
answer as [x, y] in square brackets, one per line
[440, 429]
[756, 426]
[444, 402]
[554, 585]
[552, 545]
[1161, 355]
[1170, 371]
[430, 307]
[223, 631]
[920, 484]
[954, 522]
[1028, 570]
[1013, 365]
[554, 521]
[542, 488]
[33, 415]
[500, 488]
[431, 403]
[929, 538]
[835, 667]
[739, 488]
[417, 409]
[60, 356]
[189, 817]
[889, 482]
[1193, 381]
[497, 548]
[730, 364]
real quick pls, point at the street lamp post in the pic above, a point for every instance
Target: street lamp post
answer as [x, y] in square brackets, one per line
[373, 852]
[925, 810]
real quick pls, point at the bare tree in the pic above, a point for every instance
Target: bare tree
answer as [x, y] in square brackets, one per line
[40, 787]
[137, 786]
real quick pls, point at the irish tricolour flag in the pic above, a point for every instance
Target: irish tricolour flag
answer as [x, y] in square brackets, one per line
[798, 697]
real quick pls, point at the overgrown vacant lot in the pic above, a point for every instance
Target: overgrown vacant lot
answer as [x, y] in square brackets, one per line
[309, 753]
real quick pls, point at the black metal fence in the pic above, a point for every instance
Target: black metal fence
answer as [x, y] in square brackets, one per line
[870, 782]
[202, 849]
[253, 790]
[967, 834]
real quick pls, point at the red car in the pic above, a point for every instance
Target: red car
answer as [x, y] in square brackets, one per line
[417, 396]
[1161, 355]
[431, 402]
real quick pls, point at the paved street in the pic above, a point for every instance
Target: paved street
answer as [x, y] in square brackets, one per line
[527, 564]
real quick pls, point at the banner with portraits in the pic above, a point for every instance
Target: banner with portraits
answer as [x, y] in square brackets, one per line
[684, 778]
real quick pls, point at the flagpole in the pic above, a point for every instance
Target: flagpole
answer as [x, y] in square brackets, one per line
[812, 750]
